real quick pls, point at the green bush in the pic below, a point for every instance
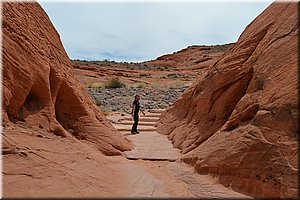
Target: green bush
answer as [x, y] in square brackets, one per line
[97, 85]
[145, 75]
[175, 85]
[175, 76]
[156, 85]
[114, 83]
[88, 84]
[140, 85]
[105, 110]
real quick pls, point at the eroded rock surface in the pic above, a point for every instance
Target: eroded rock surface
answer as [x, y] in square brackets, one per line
[239, 120]
[38, 164]
[39, 87]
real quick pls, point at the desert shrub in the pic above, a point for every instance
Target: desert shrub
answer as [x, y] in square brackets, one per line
[172, 76]
[163, 77]
[160, 68]
[175, 76]
[97, 85]
[129, 75]
[155, 85]
[145, 75]
[175, 85]
[114, 83]
[88, 84]
[105, 111]
[140, 85]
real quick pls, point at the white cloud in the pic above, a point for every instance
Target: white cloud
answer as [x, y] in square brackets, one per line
[135, 31]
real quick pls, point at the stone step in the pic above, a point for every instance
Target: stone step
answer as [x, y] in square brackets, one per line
[156, 110]
[148, 144]
[149, 154]
[140, 123]
[152, 146]
[151, 115]
[139, 129]
[155, 115]
[128, 128]
[144, 119]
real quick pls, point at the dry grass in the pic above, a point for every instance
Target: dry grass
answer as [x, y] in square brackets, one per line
[114, 83]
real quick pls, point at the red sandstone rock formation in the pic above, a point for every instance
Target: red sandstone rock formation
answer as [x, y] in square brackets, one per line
[177, 69]
[239, 120]
[39, 86]
[191, 58]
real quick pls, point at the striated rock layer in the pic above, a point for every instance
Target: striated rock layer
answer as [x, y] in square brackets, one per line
[239, 120]
[192, 58]
[39, 87]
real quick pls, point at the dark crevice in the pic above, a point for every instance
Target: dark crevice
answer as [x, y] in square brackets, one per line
[32, 103]
[31, 106]
[61, 116]
[67, 111]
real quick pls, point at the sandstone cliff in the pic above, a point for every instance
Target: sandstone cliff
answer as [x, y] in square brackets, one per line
[39, 88]
[193, 58]
[239, 120]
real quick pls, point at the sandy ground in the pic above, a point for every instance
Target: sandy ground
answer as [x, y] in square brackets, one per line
[173, 179]
[160, 169]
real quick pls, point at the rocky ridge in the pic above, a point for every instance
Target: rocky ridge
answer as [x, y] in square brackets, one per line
[195, 57]
[238, 121]
[168, 71]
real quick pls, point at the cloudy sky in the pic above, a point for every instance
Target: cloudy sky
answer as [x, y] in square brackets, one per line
[139, 31]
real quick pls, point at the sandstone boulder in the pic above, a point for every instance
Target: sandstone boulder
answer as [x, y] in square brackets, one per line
[39, 87]
[239, 120]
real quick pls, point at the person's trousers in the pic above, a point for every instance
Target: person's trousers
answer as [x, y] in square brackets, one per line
[135, 124]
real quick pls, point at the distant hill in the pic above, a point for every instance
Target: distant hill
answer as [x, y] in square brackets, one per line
[180, 68]
[193, 57]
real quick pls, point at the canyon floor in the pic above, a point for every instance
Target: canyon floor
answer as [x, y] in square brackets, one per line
[51, 164]
[164, 175]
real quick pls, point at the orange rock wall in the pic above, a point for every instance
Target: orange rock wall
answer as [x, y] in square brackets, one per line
[39, 87]
[239, 120]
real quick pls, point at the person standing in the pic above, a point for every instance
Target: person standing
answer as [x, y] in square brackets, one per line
[135, 114]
